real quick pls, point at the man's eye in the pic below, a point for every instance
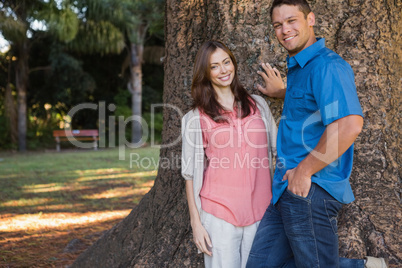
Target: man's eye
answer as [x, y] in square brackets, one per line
[276, 26]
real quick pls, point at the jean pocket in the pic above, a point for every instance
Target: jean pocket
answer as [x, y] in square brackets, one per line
[332, 208]
[308, 197]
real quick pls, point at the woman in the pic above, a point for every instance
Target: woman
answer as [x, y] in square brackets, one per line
[228, 139]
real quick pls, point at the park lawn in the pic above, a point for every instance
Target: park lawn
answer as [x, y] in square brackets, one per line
[47, 199]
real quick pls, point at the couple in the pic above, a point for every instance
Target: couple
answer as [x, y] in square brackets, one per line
[230, 137]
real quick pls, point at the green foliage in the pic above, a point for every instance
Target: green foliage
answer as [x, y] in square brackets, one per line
[12, 29]
[5, 133]
[40, 129]
[98, 37]
[146, 15]
[121, 102]
[5, 140]
[123, 110]
[63, 24]
[153, 86]
[16, 19]
[66, 83]
[155, 125]
[98, 28]
[132, 18]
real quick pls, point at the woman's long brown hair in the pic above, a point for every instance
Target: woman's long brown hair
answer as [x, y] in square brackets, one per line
[204, 95]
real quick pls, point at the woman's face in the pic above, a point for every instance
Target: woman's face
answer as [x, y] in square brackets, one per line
[222, 70]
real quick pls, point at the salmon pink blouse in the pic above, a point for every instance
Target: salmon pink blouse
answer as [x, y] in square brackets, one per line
[237, 182]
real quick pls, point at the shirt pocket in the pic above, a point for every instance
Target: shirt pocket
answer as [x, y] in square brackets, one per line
[220, 136]
[297, 103]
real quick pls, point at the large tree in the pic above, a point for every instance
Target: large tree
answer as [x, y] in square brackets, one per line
[365, 33]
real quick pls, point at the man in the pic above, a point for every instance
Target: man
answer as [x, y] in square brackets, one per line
[321, 119]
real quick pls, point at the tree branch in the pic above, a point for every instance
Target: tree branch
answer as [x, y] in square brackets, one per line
[41, 68]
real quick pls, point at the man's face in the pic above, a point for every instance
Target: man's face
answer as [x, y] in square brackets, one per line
[293, 30]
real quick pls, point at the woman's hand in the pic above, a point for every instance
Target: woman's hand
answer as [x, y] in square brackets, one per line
[274, 86]
[201, 238]
[200, 235]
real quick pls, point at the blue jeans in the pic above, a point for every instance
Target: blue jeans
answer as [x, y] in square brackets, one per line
[300, 232]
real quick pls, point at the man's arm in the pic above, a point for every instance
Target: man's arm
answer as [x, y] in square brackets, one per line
[274, 86]
[336, 139]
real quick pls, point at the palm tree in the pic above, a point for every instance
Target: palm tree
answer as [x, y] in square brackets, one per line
[17, 19]
[111, 25]
[148, 16]
[88, 26]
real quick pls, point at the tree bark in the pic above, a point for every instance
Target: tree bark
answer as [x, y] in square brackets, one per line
[11, 113]
[365, 33]
[21, 78]
[135, 88]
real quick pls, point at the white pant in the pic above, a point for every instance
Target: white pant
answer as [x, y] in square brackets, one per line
[230, 244]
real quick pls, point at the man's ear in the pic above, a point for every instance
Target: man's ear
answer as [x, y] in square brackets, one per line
[311, 19]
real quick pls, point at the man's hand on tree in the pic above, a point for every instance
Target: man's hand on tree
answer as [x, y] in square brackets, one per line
[274, 86]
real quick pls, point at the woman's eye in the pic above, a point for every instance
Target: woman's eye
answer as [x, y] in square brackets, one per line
[227, 62]
[213, 67]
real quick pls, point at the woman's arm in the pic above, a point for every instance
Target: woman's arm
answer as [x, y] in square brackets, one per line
[200, 235]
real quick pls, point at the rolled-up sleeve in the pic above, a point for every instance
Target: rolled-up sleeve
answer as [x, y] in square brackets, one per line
[191, 145]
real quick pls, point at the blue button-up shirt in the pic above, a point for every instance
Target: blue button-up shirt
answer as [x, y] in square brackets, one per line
[320, 90]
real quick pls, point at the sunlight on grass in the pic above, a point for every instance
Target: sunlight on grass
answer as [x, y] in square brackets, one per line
[118, 175]
[48, 199]
[9, 176]
[45, 221]
[99, 171]
[26, 202]
[43, 188]
[121, 192]
[59, 207]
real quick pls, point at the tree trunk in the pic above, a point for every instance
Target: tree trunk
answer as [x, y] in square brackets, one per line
[21, 77]
[135, 88]
[11, 113]
[365, 33]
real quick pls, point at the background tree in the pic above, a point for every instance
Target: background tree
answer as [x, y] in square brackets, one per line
[17, 26]
[365, 33]
[69, 30]
[8, 109]
[131, 23]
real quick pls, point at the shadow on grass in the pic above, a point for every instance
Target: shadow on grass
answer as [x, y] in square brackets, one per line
[81, 194]
[47, 200]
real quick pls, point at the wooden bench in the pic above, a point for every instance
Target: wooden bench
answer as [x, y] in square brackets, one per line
[82, 135]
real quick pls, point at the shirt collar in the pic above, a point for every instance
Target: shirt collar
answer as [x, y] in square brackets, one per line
[306, 54]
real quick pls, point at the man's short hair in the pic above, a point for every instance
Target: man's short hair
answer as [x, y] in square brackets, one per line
[304, 7]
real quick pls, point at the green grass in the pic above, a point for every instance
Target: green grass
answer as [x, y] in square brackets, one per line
[49, 198]
[77, 181]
